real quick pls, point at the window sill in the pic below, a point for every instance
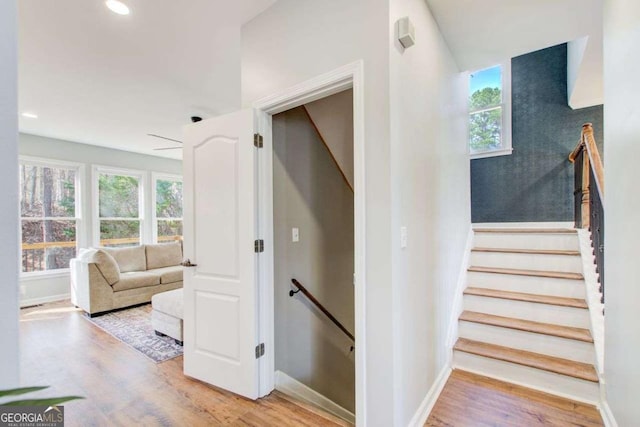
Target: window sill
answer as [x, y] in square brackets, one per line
[495, 153]
[38, 275]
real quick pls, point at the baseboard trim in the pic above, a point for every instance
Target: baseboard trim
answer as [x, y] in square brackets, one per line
[292, 387]
[607, 415]
[35, 301]
[555, 224]
[596, 308]
[421, 415]
[457, 306]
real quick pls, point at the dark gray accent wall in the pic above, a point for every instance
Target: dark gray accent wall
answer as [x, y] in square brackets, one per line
[535, 182]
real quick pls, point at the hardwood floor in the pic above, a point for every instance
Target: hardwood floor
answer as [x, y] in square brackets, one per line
[123, 388]
[470, 400]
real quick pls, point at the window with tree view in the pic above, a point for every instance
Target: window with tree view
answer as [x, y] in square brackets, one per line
[489, 112]
[48, 216]
[119, 209]
[168, 213]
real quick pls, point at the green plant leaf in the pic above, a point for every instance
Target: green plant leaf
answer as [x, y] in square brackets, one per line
[18, 391]
[44, 402]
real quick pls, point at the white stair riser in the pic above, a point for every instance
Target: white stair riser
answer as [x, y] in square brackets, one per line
[528, 284]
[561, 385]
[527, 241]
[545, 313]
[565, 263]
[578, 351]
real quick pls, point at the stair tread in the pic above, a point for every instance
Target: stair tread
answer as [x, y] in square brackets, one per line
[556, 365]
[529, 251]
[569, 332]
[536, 273]
[521, 296]
[526, 230]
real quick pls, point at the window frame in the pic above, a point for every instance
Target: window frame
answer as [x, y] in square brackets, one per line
[505, 131]
[81, 240]
[155, 177]
[95, 193]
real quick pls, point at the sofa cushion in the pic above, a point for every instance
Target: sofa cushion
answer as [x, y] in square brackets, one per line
[107, 266]
[168, 274]
[163, 255]
[130, 258]
[136, 279]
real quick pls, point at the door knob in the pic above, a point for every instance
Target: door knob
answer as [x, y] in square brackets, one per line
[187, 263]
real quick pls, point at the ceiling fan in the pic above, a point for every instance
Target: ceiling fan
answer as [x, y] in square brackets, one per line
[194, 119]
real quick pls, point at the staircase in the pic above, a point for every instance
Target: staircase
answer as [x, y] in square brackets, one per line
[525, 319]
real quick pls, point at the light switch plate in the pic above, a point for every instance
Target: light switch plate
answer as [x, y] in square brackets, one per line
[403, 237]
[295, 234]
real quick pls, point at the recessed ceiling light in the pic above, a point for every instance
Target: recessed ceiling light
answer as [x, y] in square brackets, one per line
[30, 115]
[117, 7]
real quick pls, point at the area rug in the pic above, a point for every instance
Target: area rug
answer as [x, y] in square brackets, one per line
[133, 327]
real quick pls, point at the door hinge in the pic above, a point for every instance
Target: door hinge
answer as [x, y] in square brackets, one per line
[259, 350]
[259, 246]
[257, 140]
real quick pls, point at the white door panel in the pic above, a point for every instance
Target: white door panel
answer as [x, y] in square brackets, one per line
[220, 307]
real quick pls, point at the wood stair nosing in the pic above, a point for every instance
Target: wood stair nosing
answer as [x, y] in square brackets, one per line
[534, 273]
[579, 370]
[560, 331]
[525, 230]
[528, 251]
[525, 297]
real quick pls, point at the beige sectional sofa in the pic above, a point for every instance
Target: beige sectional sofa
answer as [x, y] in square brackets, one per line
[105, 279]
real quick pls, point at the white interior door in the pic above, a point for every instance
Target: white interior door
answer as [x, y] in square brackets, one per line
[220, 292]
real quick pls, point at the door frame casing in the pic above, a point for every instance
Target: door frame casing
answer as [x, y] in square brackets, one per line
[350, 76]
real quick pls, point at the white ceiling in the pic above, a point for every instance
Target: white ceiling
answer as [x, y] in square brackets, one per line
[483, 32]
[99, 78]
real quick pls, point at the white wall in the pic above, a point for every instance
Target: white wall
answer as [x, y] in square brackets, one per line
[296, 40]
[417, 173]
[430, 193]
[9, 361]
[34, 289]
[622, 204]
[584, 71]
[575, 55]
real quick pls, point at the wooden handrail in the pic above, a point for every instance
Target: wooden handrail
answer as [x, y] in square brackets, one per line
[594, 156]
[320, 307]
[588, 142]
[589, 195]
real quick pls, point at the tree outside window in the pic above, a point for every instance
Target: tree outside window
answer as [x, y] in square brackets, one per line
[119, 209]
[48, 216]
[489, 121]
[168, 209]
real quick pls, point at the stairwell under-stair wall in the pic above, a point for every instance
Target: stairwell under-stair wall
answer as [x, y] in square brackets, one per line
[310, 194]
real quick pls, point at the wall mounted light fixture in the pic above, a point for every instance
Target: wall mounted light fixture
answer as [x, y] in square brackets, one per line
[405, 32]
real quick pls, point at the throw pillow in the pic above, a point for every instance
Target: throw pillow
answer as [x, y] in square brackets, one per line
[107, 266]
